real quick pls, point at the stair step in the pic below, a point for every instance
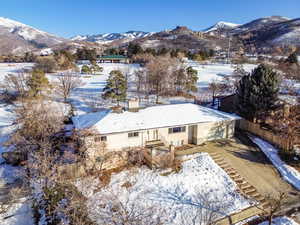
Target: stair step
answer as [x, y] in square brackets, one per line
[255, 195]
[231, 173]
[251, 192]
[240, 181]
[250, 189]
[230, 170]
[236, 176]
[245, 186]
[224, 167]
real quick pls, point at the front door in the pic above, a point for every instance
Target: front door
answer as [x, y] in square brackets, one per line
[152, 135]
[192, 134]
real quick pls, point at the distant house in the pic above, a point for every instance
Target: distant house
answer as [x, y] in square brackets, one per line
[113, 59]
[176, 124]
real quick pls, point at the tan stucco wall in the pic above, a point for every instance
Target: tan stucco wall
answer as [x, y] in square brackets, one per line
[202, 133]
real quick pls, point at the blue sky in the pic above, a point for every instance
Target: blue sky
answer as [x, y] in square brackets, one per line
[71, 17]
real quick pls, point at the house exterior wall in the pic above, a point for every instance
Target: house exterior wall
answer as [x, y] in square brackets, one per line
[201, 132]
[214, 131]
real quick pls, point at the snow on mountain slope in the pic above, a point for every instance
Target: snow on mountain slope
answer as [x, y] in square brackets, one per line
[291, 33]
[222, 25]
[110, 37]
[25, 31]
[17, 37]
[260, 23]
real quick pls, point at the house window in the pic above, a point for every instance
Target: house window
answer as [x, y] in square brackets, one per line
[133, 134]
[98, 139]
[176, 130]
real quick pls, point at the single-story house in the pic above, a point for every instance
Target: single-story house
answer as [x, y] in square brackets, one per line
[113, 59]
[175, 124]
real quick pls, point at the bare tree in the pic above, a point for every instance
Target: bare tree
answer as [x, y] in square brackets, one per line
[67, 82]
[216, 87]
[276, 204]
[16, 84]
[160, 75]
[141, 82]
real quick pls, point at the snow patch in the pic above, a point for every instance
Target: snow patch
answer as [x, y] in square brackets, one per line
[281, 221]
[199, 178]
[288, 173]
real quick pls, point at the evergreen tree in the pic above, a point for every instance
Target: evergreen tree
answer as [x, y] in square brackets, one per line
[86, 54]
[257, 92]
[163, 51]
[180, 79]
[37, 82]
[134, 49]
[293, 58]
[96, 68]
[116, 86]
[85, 69]
[191, 79]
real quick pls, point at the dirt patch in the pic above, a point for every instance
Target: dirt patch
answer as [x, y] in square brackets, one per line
[105, 175]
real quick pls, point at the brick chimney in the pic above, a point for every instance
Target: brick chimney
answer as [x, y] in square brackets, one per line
[133, 105]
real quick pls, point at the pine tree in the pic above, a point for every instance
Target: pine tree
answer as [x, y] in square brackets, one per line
[116, 86]
[257, 92]
[134, 49]
[293, 58]
[191, 79]
[85, 69]
[37, 82]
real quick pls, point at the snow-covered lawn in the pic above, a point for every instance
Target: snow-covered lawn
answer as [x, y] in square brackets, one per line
[11, 68]
[288, 173]
[89, 95]
[281, 221]
[199, 188]
[210, 72]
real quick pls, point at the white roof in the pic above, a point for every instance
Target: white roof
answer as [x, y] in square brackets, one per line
[106, 122]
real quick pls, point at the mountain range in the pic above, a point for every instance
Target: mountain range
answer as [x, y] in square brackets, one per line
[17, 38]
[110, 37]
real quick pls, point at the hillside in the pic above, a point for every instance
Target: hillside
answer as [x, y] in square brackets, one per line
[110, 37]
[263, 33]
[18, 38]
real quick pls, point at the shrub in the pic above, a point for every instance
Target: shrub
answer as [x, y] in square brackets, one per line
[85, 69]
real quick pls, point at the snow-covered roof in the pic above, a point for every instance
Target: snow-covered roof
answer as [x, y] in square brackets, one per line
[106, 122]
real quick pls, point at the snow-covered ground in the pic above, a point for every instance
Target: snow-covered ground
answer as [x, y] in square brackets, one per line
[214, 72]
[281, 221]
[18, 213]
[288, 173]
[89, 95]
[198, 189]
[11, 68]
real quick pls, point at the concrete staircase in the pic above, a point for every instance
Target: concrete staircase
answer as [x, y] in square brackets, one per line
[245, 189]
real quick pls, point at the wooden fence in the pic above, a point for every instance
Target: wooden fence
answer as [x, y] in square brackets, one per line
[274, 139]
